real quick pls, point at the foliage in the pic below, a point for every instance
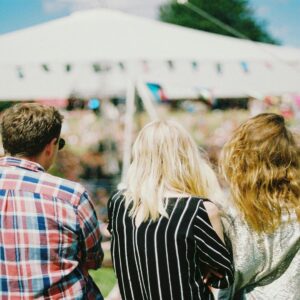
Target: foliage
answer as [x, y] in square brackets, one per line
[235, 13]
[5, 104]
[105, 279]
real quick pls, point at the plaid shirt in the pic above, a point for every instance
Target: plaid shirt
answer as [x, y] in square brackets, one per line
[49, 235]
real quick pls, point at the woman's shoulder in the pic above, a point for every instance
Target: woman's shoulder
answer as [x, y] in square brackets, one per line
[183, 203]
[115, 196]
[207, 207]
[192, 201]
[209, 213]
[211, 208]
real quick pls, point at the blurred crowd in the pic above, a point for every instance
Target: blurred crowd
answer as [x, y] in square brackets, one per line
[95, 137]
[94, 133]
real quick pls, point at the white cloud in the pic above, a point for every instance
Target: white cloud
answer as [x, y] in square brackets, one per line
[147, 8]
[281, 31]
[70, 5]
[287, 35]
[263, 11]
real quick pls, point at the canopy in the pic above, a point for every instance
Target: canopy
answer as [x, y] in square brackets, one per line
[184, 80]
[95, 52]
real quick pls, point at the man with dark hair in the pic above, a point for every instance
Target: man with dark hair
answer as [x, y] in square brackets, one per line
[49, 232]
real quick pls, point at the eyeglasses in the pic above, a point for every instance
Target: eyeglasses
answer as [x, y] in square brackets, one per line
[61, 143]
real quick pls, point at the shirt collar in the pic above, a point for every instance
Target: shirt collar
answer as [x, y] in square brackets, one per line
[21, 163]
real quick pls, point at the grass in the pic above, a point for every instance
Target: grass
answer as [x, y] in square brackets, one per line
[105, 279]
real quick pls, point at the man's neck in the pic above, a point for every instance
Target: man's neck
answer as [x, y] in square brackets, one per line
[36, 159]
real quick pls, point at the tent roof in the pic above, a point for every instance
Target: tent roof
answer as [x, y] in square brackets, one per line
[108, 37]
[183, 80]
[102, 34]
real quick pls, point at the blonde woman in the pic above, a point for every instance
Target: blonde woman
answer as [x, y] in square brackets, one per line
[261, 164]
[165, 233]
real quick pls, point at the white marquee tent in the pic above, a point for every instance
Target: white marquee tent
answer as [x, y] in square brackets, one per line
[102, 49]
[102, 34]
[106, 53]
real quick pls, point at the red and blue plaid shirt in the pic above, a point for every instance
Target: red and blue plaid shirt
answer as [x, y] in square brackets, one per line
[49, 235]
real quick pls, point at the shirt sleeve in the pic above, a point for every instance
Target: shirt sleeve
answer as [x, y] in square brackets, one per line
[110, 207]
[212, 252]
[90, 235]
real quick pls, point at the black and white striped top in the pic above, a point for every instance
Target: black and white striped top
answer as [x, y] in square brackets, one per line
[166, 259]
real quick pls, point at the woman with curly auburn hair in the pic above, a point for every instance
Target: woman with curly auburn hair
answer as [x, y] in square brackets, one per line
[261, 164]
[166, 234]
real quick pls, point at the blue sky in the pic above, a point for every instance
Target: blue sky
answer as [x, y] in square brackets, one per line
[282, 16]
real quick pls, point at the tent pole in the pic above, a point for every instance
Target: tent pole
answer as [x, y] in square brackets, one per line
[129, 120]
[147, 100]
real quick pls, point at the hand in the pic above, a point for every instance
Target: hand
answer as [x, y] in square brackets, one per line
[211, 273]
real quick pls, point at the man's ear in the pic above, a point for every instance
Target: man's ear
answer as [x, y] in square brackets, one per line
[50, 147]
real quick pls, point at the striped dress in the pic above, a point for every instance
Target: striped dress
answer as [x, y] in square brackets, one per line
[166, 259]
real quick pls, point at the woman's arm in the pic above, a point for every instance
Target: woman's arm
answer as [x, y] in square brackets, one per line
[213, 253]
[214, 217]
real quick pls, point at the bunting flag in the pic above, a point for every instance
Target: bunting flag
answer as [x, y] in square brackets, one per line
[20, 72]
[170, 64]
[122, 66]
[45, 67]
[68, 68]
[157, 91]
[145, 66]
[195, 65]
[96, 68]
[268, 65]
[245, 67]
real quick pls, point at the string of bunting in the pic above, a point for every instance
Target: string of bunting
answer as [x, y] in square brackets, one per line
[145, 66]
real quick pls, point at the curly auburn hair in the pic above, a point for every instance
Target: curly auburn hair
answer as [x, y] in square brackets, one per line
[26, 128]
[261, 163]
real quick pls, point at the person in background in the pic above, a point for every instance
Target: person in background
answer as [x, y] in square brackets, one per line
[49, 232]
[166, 234]
[261, 164]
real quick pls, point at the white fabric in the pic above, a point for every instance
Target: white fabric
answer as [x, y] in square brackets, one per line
[109, 37]
[102, 34]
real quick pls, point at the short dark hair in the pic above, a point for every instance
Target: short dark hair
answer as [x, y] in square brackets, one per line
[27, 128]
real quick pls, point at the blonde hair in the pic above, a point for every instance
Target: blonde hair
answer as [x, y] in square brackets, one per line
[261, 163]
[166, 158]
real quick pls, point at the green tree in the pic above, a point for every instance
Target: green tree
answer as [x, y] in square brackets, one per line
[235, 13]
